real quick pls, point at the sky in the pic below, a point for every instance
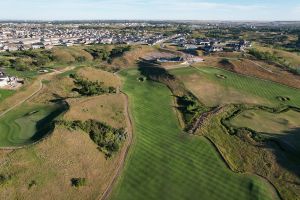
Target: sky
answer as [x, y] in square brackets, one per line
[259, 10]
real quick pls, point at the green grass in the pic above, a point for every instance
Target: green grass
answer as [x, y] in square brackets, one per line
[251, 86]
[21, 74]
[5, 93]
[164, 163]
[284, 127]
[272, 122]
[27, 124]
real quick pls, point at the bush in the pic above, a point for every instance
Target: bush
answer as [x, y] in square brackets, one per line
[106, 137]
[32, 183]
[4, 178]
[90, 88]
[78, 182]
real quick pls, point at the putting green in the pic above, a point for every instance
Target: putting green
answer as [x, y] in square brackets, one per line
[27, 124]
[164, 163]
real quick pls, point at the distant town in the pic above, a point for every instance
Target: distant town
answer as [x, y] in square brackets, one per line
[24, 36]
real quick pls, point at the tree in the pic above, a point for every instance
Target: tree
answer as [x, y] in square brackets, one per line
[20, 65]
[4, 63]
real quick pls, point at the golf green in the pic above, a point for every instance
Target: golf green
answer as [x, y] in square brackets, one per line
[28, 123]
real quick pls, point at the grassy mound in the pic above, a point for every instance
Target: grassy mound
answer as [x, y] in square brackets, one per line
[165, 164]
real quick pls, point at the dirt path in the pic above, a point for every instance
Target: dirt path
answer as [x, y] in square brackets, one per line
[203, 118]
[122, 158]
[22, 101]
[40, 80]
[260, 66]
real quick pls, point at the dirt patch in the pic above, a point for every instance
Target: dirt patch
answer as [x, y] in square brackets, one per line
[156, 55]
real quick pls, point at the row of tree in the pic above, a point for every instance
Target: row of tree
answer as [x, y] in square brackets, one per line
[90, 88]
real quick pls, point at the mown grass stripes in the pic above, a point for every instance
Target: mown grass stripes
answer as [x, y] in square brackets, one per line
[256, 87]
[164, 163]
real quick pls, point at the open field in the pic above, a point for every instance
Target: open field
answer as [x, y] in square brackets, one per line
[167, 164]
[51, 165]
[27, 124]
[45, 170]
[93, 74]
[104, 108]
[216, 87]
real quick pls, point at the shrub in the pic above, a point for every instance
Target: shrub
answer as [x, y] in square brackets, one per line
[31, 184]
[90, 88]
[4, 178]
[78, 182]
[106, 137]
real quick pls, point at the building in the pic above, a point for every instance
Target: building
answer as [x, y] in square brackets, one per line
[4, 80]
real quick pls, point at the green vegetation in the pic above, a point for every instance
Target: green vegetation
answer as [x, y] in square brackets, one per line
[280, 124]
[4, 179]
[90, 88]
[251, 87]
[166, 164]
[272, 58]
[5, 93]
[28, 124]
[248, 151]
[188, 105]
[260, 136]
[30, 61]
[107, 138]
[78, 182]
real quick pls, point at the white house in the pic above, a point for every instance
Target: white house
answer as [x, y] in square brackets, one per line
[3, 79]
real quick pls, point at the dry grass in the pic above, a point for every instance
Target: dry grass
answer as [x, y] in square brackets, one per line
[107, 78]
[52, 163]
[212, 94]
[265, 71]
[130, 58]
[64, 155]
[292, 58]
[70, 54]
[104, 108]
[258, 69]
[246, 155]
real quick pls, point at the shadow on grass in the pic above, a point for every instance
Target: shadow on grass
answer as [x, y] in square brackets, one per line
[286, 148]
[47, 125]
[153, 72]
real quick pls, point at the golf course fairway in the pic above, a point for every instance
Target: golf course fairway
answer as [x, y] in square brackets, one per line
[164, 163]
[28, 123]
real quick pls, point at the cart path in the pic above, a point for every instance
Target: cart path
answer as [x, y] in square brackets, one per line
[40, 79]
[124, 154]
